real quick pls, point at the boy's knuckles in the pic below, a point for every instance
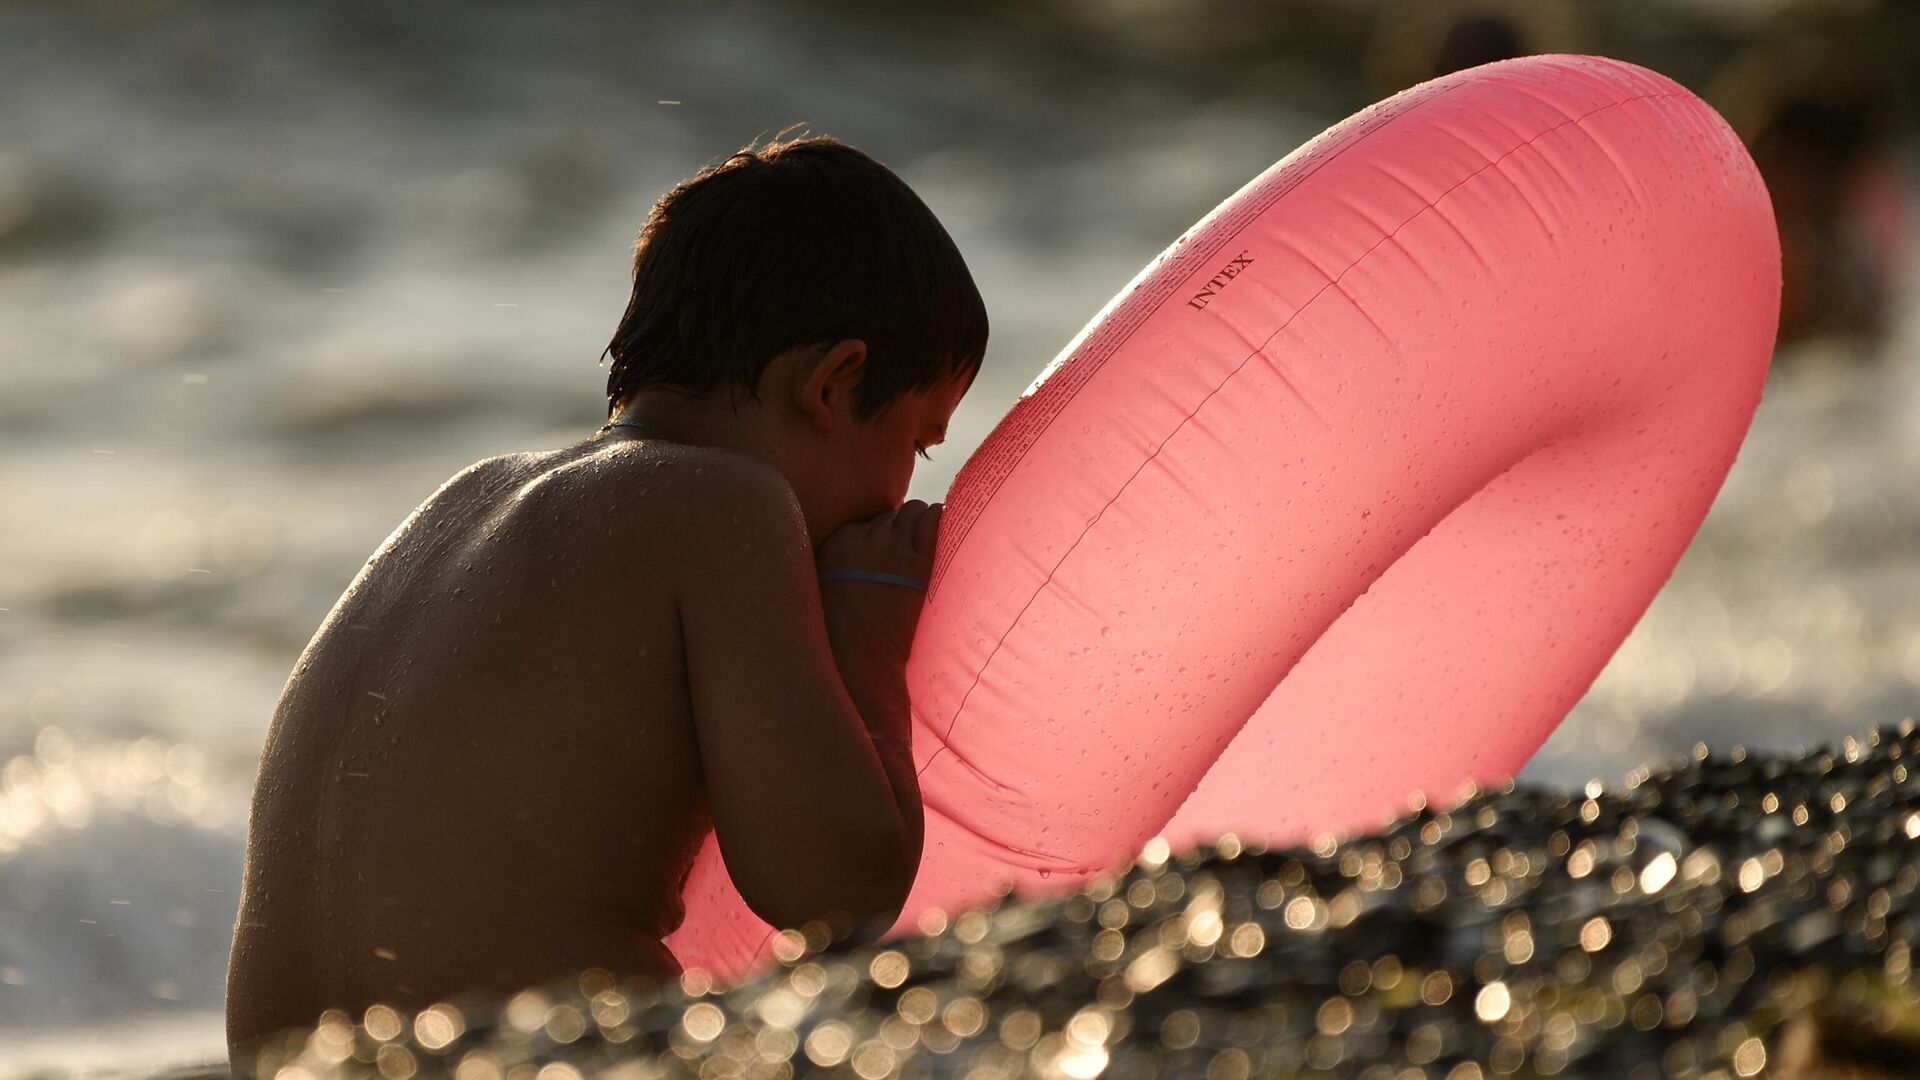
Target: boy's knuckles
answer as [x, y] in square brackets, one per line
[926, 529]
[898, 541]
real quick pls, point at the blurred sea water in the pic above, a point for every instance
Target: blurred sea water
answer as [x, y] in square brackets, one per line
[276, 271]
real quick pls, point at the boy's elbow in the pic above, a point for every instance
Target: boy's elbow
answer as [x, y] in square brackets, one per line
[876, 886]
[855, 912]
[859, 900]
[892, 881]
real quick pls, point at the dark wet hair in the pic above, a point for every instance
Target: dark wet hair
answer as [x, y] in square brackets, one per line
[795, 244]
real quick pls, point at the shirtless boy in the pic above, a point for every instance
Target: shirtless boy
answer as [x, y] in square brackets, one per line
[496, 759]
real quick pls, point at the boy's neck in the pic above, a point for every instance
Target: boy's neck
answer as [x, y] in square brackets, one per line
[691, 422]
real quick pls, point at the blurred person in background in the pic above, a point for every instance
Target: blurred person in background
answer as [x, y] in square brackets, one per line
[1417, 40]
[1822, 130]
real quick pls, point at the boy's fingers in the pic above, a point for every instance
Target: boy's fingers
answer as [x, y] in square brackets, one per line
[927, 529]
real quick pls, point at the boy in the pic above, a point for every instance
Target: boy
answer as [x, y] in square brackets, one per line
[497, 757]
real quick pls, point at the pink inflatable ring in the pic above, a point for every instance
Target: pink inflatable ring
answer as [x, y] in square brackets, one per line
[1350, 494]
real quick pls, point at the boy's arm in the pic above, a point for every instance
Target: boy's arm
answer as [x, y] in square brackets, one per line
[807, 810]
[872, 664]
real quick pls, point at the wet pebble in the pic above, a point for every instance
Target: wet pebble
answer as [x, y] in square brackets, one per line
[1732, 915]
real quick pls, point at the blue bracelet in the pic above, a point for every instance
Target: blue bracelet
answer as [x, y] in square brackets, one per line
[870, 575]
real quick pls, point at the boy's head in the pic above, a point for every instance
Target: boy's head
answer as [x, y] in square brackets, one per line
[800, 267]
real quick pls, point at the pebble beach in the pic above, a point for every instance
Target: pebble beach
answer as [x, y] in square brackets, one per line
[1728, 915]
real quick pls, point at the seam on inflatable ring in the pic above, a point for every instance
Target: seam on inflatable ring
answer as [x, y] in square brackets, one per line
[1053, 864]
[947, 735]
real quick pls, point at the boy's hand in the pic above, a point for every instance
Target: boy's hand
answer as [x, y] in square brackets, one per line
[895, 542]
[881, 616]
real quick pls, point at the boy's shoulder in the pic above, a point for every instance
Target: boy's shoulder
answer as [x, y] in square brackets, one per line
[653, 473]
[671, 495]
[616, 474]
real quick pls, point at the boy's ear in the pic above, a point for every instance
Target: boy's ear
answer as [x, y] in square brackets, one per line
[824, 388]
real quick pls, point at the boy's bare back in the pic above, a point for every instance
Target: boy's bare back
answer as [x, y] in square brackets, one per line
[482, 773]
[485, 770]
